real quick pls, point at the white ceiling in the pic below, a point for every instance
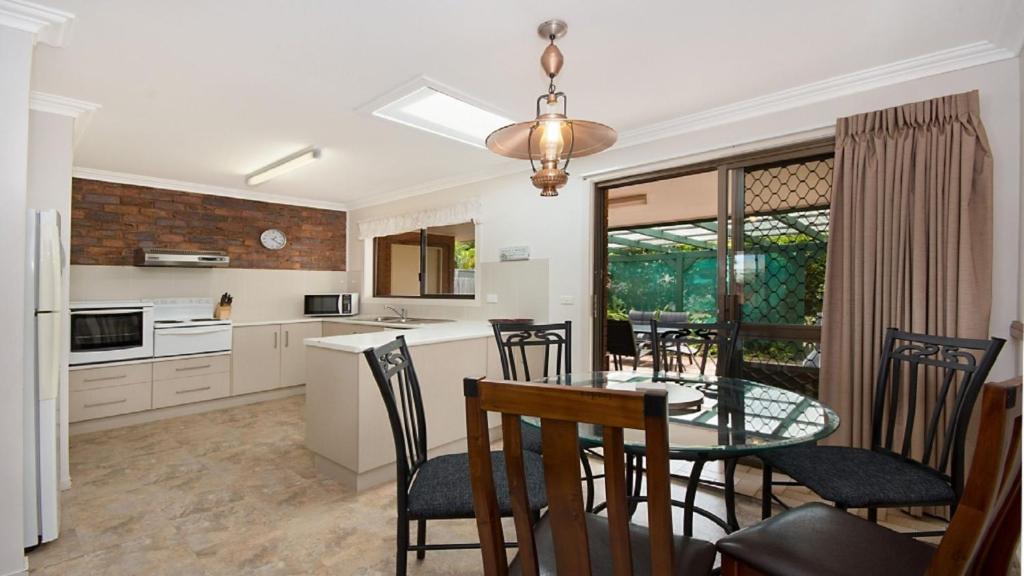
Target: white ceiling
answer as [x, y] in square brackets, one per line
[206, 91]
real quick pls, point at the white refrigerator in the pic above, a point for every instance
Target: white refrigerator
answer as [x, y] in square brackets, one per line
[43, 323]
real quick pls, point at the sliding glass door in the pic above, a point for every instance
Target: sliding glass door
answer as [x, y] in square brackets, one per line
[742, 239]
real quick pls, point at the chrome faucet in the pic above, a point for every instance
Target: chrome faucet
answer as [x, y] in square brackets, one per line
[402, 312]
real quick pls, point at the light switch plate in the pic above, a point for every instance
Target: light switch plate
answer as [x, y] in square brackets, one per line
[511, 253]
[492, 298]
[566, 300]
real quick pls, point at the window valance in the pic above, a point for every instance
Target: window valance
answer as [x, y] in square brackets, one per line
[468, 211]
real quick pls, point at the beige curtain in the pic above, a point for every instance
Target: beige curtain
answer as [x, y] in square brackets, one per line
[910, 243]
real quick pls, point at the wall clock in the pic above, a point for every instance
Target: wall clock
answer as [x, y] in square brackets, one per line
[273, 239]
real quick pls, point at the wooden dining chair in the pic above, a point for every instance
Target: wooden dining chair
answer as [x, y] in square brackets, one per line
[431, 488]
[981, 539]
[567, 540]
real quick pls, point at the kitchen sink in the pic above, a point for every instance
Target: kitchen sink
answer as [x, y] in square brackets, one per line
[400, 320]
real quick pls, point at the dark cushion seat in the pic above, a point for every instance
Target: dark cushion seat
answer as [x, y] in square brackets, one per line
[858, 478]
[816, 539]
[531, 439]
[442, 488]
[691, 556]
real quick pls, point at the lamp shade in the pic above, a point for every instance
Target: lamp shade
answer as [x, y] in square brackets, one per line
[516, 141]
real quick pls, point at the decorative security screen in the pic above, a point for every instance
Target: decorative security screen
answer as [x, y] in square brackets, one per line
[781, 268]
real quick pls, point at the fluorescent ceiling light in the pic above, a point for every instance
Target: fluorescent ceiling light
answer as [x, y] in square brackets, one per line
[286, 164]
[439, 113]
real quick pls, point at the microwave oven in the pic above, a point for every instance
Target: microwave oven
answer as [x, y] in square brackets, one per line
[344, 304]
[110, 331]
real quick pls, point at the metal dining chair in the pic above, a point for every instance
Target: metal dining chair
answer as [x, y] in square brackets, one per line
[620, 340]
[890, 473]
[436, 488]
[672, 340]
[640, 318]
[982, 538]
[544, 346]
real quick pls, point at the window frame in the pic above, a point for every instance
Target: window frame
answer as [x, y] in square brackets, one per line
[424, 244]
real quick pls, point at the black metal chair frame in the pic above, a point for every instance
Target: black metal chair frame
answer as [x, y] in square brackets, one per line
[621, 341]
[408, 425]
[643, 343]
[910, 353]
[520, 336]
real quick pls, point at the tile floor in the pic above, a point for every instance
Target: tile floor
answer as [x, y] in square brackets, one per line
[235, 492]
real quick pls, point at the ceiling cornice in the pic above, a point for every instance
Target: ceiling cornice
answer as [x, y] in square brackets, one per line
[196, 188]
[47, 25]
[504, 169]
[958, 58]
[80, 110]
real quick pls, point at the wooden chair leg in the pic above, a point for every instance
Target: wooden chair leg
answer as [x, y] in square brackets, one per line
[421, 538]
[766, 491]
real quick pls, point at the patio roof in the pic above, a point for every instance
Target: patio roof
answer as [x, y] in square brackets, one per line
[758, 229]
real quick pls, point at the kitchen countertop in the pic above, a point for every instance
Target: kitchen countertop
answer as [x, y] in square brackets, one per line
[360, 320]
[415, 335]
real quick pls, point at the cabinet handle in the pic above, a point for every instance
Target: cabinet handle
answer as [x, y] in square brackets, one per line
[184, 368]
[112, 402]
[186, 391]
[287, 338]
[106, 378]
[275, 340]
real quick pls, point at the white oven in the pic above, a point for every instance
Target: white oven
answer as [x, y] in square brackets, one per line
[111, 331]
[185, 326]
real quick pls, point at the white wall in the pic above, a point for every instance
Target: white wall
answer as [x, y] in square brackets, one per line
[560, 229]
[49, 188]
[15, 71]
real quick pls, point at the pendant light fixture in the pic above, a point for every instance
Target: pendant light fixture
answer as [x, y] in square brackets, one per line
[552, 139]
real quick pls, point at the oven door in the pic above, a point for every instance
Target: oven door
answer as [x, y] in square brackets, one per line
[192, 340]
[111, 334]
[323, 305]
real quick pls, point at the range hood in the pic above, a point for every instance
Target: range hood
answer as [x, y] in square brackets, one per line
[181, 258]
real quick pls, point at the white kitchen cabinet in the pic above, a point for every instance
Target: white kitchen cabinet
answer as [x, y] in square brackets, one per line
[255, 359]
[339, 329]
[189, 380]
[293, 351]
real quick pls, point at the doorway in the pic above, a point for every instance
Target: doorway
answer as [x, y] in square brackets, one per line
[741, 239]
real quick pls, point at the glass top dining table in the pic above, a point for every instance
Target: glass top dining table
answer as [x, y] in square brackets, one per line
[716, 417]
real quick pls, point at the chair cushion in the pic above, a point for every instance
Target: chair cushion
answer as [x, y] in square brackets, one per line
[858, 478]
[816, 539]
[690, 555]
[442, 488]
[531, 439]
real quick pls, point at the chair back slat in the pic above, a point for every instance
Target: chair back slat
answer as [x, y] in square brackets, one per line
[696, 339]
[982, 535]
[565, 496]
[511, 433]
[616, 499]
[560, 410]
[947, 371]
[516, 340]
[395, 375]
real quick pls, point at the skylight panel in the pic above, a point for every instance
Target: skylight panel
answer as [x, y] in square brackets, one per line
[440, 113]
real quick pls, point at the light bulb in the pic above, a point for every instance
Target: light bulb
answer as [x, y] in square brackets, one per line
[551, 142]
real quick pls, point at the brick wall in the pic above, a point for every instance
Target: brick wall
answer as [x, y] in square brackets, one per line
[109, 221]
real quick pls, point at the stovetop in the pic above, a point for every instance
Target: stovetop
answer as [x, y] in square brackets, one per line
[184, 313]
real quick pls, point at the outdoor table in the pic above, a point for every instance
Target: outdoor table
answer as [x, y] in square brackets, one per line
[734, 418]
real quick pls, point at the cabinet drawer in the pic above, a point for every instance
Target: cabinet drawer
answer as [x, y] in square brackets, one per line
[110, 401]
[190, 389]
[91, 378]
[188, 367]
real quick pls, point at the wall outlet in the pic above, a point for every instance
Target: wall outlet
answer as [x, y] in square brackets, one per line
[566, 300]
[492, 298]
